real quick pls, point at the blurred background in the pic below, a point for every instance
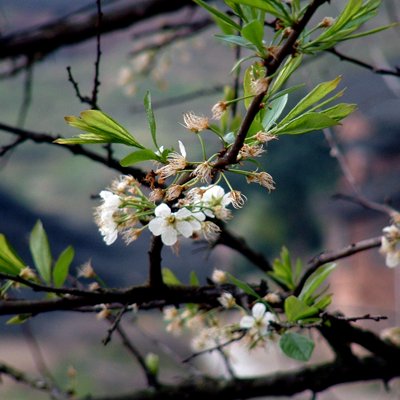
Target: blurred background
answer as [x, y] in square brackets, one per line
[187, 72]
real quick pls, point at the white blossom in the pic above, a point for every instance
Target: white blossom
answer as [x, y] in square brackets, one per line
[104, 216]
[170, 225]
[214, 201]
[259, 320]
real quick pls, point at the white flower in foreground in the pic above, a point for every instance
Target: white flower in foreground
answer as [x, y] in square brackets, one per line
[214, 201]
[104, 216]
[259, 320]
[390, 246]
[170, 225]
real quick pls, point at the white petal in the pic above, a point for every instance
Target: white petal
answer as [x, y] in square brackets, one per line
[183, 213]
[199, 216]
[156, 226]
[226, 199]
[111, 237]
[182, 149]
[184, 228]
[209, 213]
[258, 310]
[393, 259]
[169, 236]
[214, 193]
[162, 211]
[268, 317]
[247, 322]
[196, 225]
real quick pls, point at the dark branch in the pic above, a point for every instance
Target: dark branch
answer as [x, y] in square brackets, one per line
[376, 70]
[74, 149]
[315, 378]
[40, 42]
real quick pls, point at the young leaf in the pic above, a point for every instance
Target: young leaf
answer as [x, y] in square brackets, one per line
[61, 267]
[194, 280]
[218, 14]
[150, 118]
[315, 280]
[318, 93]
[254, 32]
[237, 40]
[10, 262]
[273, 110]
[101, 128]
[285, 72]
[296, 309]
[139, 156]
[18, 319]
[169, 278]
[40, 250]
[296, 346]
[308, 122]
[243, 286]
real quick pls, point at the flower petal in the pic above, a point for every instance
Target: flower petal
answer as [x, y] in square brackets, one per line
[258, 310]
[162, 211]
[183, 213]
[169, 236]
[182, 149]
[156, 226]
[247, 322]
[184, 228]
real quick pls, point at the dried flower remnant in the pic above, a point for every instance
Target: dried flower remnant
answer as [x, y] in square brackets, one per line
[237, 198]
[210, 231]
[195, 123]
[251, 151]
[259, 85]
[218, 110]
[227, 300]
[176, 162]
[203, 171]
[264, 137]
[262, 178]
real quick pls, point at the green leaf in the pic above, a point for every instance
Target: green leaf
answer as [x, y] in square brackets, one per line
[237, 40]
[169, 278]
[10, 262]
[317, 94]
[315, 280]
[296, 346]
[243, 286]
[296, 310]
[40, 250]
[308, 122]
[272, 6]
[18, 319]
[254, 33]
[194, 280]
[139, 156]
[101, 127]
[273, 111]
[339, 111]
[218, 14]
[150, 117]
[285, 72]
[61, 267]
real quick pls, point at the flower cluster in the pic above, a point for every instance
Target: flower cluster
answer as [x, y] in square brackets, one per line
[390, 246]
[128, 211]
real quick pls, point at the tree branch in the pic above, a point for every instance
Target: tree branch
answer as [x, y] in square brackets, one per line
[315, 378]
[40, 42]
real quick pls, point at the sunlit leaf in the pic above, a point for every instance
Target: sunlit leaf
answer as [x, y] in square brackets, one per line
[62, 265]
[40, 250]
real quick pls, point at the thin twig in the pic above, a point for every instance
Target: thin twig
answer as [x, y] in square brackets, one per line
[96, 81]
[114, 324]
[152, 380]
[27, 99]
[381, 71]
